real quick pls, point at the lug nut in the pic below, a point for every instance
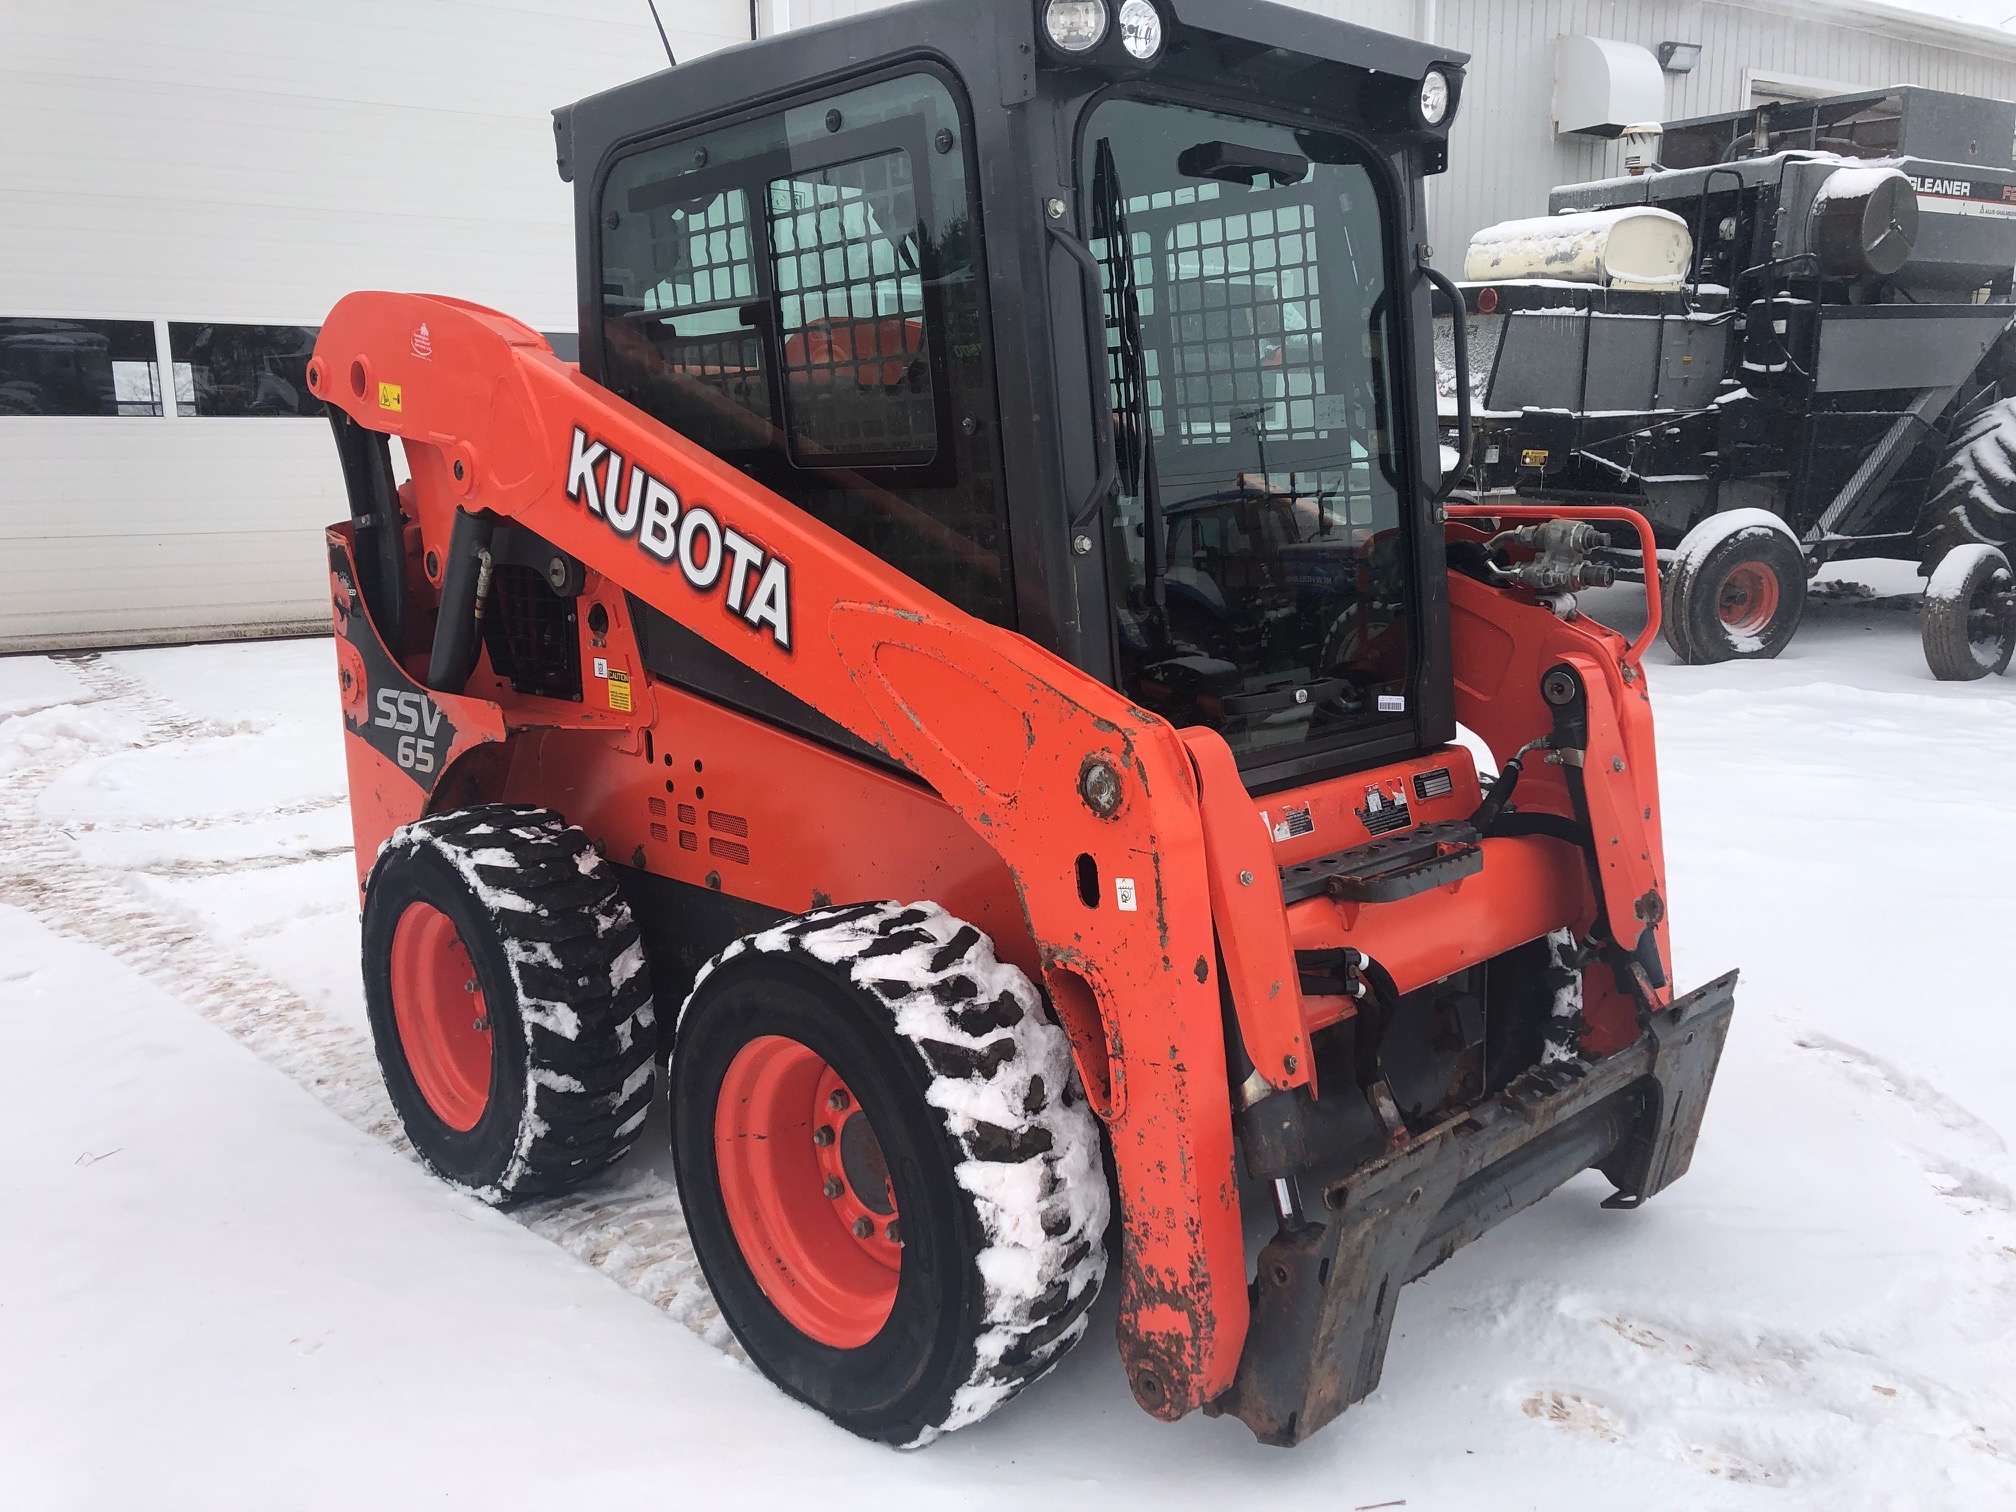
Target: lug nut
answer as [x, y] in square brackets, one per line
[864, 1228]
[470, 985]
[481, 1026]
[823, 1135]
[834, 1187]
[838, 1099]
[893, 1232]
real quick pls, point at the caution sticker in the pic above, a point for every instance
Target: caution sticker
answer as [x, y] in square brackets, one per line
[1533, 457]
[619, 690]
[390, 397]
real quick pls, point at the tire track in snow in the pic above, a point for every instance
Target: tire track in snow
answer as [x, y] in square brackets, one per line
[1800, 1409]
[42, 873]
[627, 1225]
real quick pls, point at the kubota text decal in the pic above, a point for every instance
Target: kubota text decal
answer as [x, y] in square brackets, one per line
[709, 554]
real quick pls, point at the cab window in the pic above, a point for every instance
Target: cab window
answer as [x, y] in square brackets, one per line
[801, 294]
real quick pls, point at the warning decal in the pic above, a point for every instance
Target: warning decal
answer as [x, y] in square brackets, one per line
[619, 691]
[390, 397]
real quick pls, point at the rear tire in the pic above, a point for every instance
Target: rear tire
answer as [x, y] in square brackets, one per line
[1972, 498]
[1968, 629]
[505, 984]
[1740, 598]
[891, 1032]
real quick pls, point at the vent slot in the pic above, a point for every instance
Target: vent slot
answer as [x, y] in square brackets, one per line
[728, 824]
[728, 850]
[688, 814]
[688, 840]
[1435, 784]
[657, 807]
[659, 832]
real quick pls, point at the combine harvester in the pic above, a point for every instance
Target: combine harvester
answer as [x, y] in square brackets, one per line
[967, 670]
[1787, 344]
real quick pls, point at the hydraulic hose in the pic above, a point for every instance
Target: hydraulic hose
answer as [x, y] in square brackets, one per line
[464, 583]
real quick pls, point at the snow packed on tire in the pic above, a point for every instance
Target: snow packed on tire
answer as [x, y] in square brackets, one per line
[1003, 1078]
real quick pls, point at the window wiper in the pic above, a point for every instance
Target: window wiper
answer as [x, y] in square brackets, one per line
[1133, 443]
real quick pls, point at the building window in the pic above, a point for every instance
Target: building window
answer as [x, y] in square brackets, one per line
[242, 369]
[78, 367]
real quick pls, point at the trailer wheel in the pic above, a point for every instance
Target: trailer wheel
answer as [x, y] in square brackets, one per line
[508, 999]
[1739, 596]
[891, 1179]
[1969, 627]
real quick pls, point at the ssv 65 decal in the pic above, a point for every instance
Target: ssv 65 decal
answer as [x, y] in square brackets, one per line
[710, 555]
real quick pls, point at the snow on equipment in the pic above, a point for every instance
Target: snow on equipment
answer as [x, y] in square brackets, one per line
[966, 674]
[1635, 247]
[1836, 355]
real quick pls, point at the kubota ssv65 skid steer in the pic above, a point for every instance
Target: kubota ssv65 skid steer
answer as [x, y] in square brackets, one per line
[966, 675]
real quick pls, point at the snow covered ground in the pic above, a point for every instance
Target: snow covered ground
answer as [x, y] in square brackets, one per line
[223, 1284]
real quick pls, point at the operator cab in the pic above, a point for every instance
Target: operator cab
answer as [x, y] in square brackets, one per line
[1137, 366]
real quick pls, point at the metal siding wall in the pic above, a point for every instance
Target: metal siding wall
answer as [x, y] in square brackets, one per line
[1504, 153]
[214, 161]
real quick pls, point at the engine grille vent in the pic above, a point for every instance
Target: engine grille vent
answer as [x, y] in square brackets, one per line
[1435, 784]
[529, 632]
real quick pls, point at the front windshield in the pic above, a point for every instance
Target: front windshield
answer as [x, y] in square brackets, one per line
[1260, 569]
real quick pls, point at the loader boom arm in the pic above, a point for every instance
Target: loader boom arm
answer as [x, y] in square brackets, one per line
[1002, 730]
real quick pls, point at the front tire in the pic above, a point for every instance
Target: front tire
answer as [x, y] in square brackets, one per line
[1736, 590]
[1968, 629]
[891, 1179]
[505, 984]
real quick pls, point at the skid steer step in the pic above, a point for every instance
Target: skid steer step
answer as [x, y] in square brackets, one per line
[1385, 871]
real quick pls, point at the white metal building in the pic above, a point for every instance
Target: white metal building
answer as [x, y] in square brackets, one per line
[190, 184]
[179, 173]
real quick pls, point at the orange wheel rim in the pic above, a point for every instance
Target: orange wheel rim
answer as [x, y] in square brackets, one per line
[807, 1192]
[444, 1025]
[1748, 600]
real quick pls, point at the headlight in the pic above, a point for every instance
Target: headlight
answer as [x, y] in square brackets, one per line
[1140, 29]
[1434, 97]
[1077, 26]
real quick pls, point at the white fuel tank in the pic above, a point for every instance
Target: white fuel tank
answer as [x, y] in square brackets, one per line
[1633, 247]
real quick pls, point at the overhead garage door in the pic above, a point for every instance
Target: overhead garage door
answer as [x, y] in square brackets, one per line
[181, 167]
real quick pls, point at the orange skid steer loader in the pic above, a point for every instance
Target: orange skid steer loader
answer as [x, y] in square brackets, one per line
[964, 676]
